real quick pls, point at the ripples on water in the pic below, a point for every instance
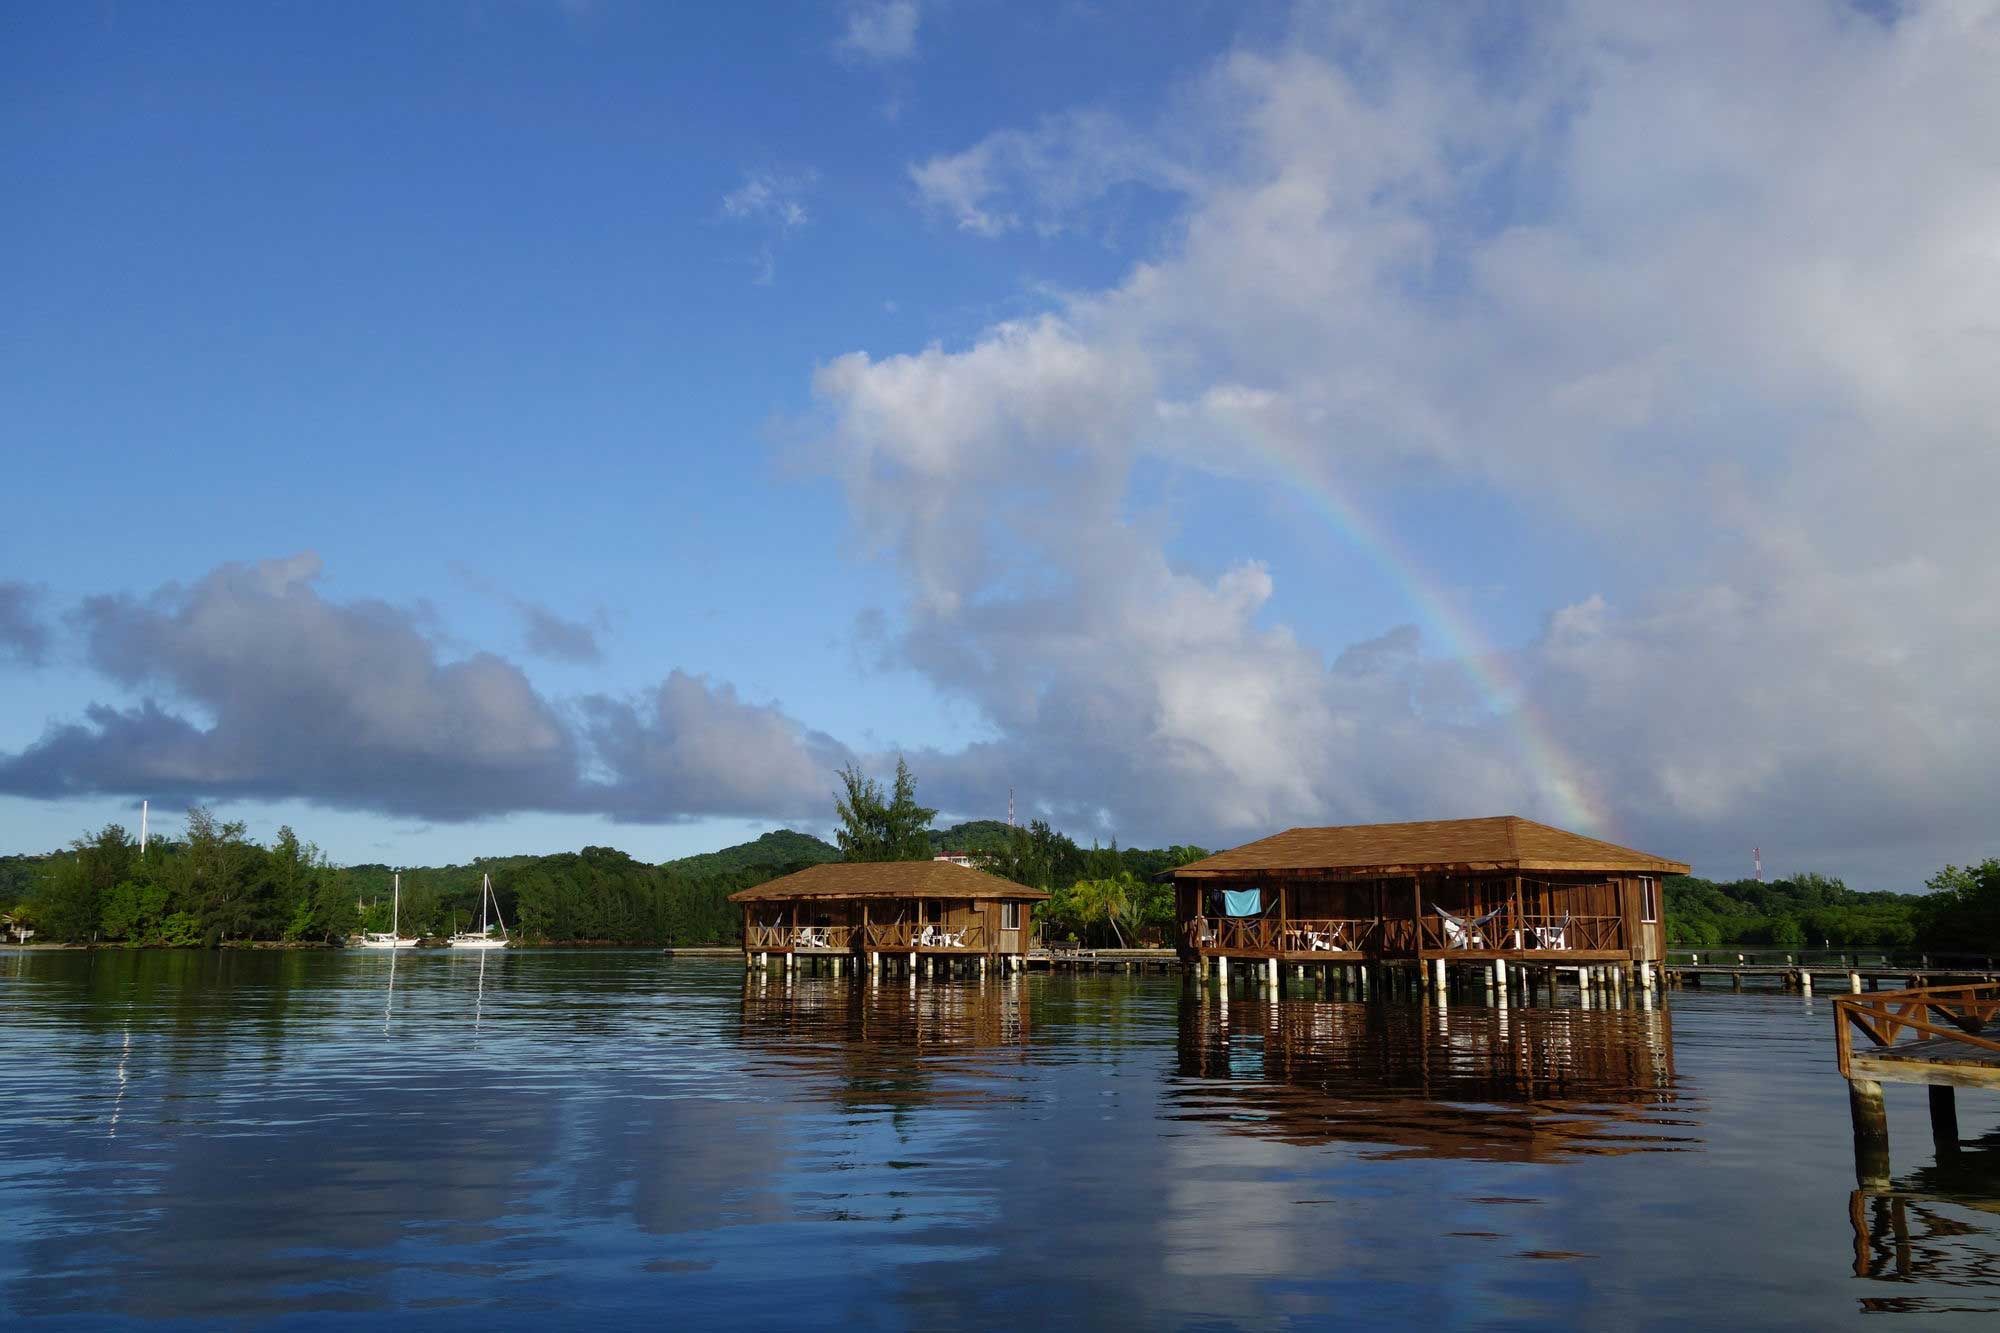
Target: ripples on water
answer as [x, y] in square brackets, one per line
[556, 1138]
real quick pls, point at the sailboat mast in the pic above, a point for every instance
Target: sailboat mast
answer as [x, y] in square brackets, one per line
[396, 908]
[485, 892]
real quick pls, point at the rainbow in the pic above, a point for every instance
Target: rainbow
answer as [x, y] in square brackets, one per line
[1560, 776]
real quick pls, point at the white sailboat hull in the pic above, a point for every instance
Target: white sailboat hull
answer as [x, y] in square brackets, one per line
[385, 942]
[477, 942]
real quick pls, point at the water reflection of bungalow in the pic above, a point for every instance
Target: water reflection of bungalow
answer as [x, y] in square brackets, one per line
[898, 912]
[1454, 890]
[888, 1045]
[1519, 1084]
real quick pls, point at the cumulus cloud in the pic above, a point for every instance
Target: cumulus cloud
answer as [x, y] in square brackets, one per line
[884, 31]
[252, 684]
[24, 638]
[1711, 291]
[695, 747]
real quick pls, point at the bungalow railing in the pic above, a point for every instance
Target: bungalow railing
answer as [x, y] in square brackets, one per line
[903, 936]
[788, 936]
[1233, 932]
[1960, 1013]
[1331, 934]
[1269, 934]
[1555, 932]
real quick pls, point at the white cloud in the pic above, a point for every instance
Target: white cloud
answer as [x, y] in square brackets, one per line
[769, 196]
[1714, 291]
[880, 30]
[773, 202]
[1047, 177]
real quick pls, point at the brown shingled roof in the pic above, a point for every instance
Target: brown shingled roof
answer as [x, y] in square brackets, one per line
[888, 879]
[1506, 842]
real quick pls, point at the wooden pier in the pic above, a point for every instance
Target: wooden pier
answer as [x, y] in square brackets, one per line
[1062, 958]
[1944, 1037]
[1807, 978]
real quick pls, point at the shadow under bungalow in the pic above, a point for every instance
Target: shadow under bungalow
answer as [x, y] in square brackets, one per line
[1402, 906]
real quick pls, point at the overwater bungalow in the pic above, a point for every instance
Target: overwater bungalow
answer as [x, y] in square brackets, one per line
[902, 914]
[1431, 893]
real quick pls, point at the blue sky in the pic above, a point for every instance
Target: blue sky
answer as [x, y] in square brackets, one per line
[989, 382]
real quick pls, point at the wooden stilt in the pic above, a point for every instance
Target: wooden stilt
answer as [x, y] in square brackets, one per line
[1944, 1118]
[1871, 1132]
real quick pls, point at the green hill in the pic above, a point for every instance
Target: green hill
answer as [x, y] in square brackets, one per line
[781, 848]
[978, 835]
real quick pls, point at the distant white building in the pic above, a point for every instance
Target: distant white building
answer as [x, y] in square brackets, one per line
[970, 860]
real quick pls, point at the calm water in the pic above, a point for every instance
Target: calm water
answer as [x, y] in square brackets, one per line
[548, 1139]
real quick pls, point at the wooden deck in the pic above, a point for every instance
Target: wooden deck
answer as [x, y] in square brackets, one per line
[1945, 1061]
[1944, 1037]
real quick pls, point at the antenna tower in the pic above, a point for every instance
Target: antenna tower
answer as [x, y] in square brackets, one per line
[142, 826]
[1757, 862]
[1010, 807]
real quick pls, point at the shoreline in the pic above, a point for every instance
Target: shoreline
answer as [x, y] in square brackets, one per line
[321, 946]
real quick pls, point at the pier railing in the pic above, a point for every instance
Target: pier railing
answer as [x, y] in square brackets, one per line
[1959, 1014]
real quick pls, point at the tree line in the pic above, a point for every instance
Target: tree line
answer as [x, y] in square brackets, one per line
[214, 886]
[1959, 910]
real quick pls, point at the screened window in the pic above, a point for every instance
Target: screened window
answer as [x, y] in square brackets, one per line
[1010, 916]
[1649, 900]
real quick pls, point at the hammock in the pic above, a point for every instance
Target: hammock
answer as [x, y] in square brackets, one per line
[1462, 934]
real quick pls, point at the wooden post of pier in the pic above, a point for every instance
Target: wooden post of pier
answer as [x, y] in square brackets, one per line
[1871, 1132]
[1944, 1118]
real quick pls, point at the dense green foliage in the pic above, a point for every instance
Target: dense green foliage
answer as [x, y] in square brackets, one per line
[209, 887]
[1959, 912]
[215, 886]
[878, 827]
[780, 847]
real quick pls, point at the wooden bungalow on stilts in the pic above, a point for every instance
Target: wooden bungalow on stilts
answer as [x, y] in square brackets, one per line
[900, 916]
[1422, 898]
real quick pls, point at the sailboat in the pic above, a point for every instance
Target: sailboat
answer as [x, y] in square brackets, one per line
[393, 938]
[485, 938]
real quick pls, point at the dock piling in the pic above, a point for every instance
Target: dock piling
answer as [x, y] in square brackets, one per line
[1944, 1118]
[1871, 1131]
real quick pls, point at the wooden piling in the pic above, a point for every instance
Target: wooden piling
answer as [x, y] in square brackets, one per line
[1871, 1132]
[1944, 1118]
